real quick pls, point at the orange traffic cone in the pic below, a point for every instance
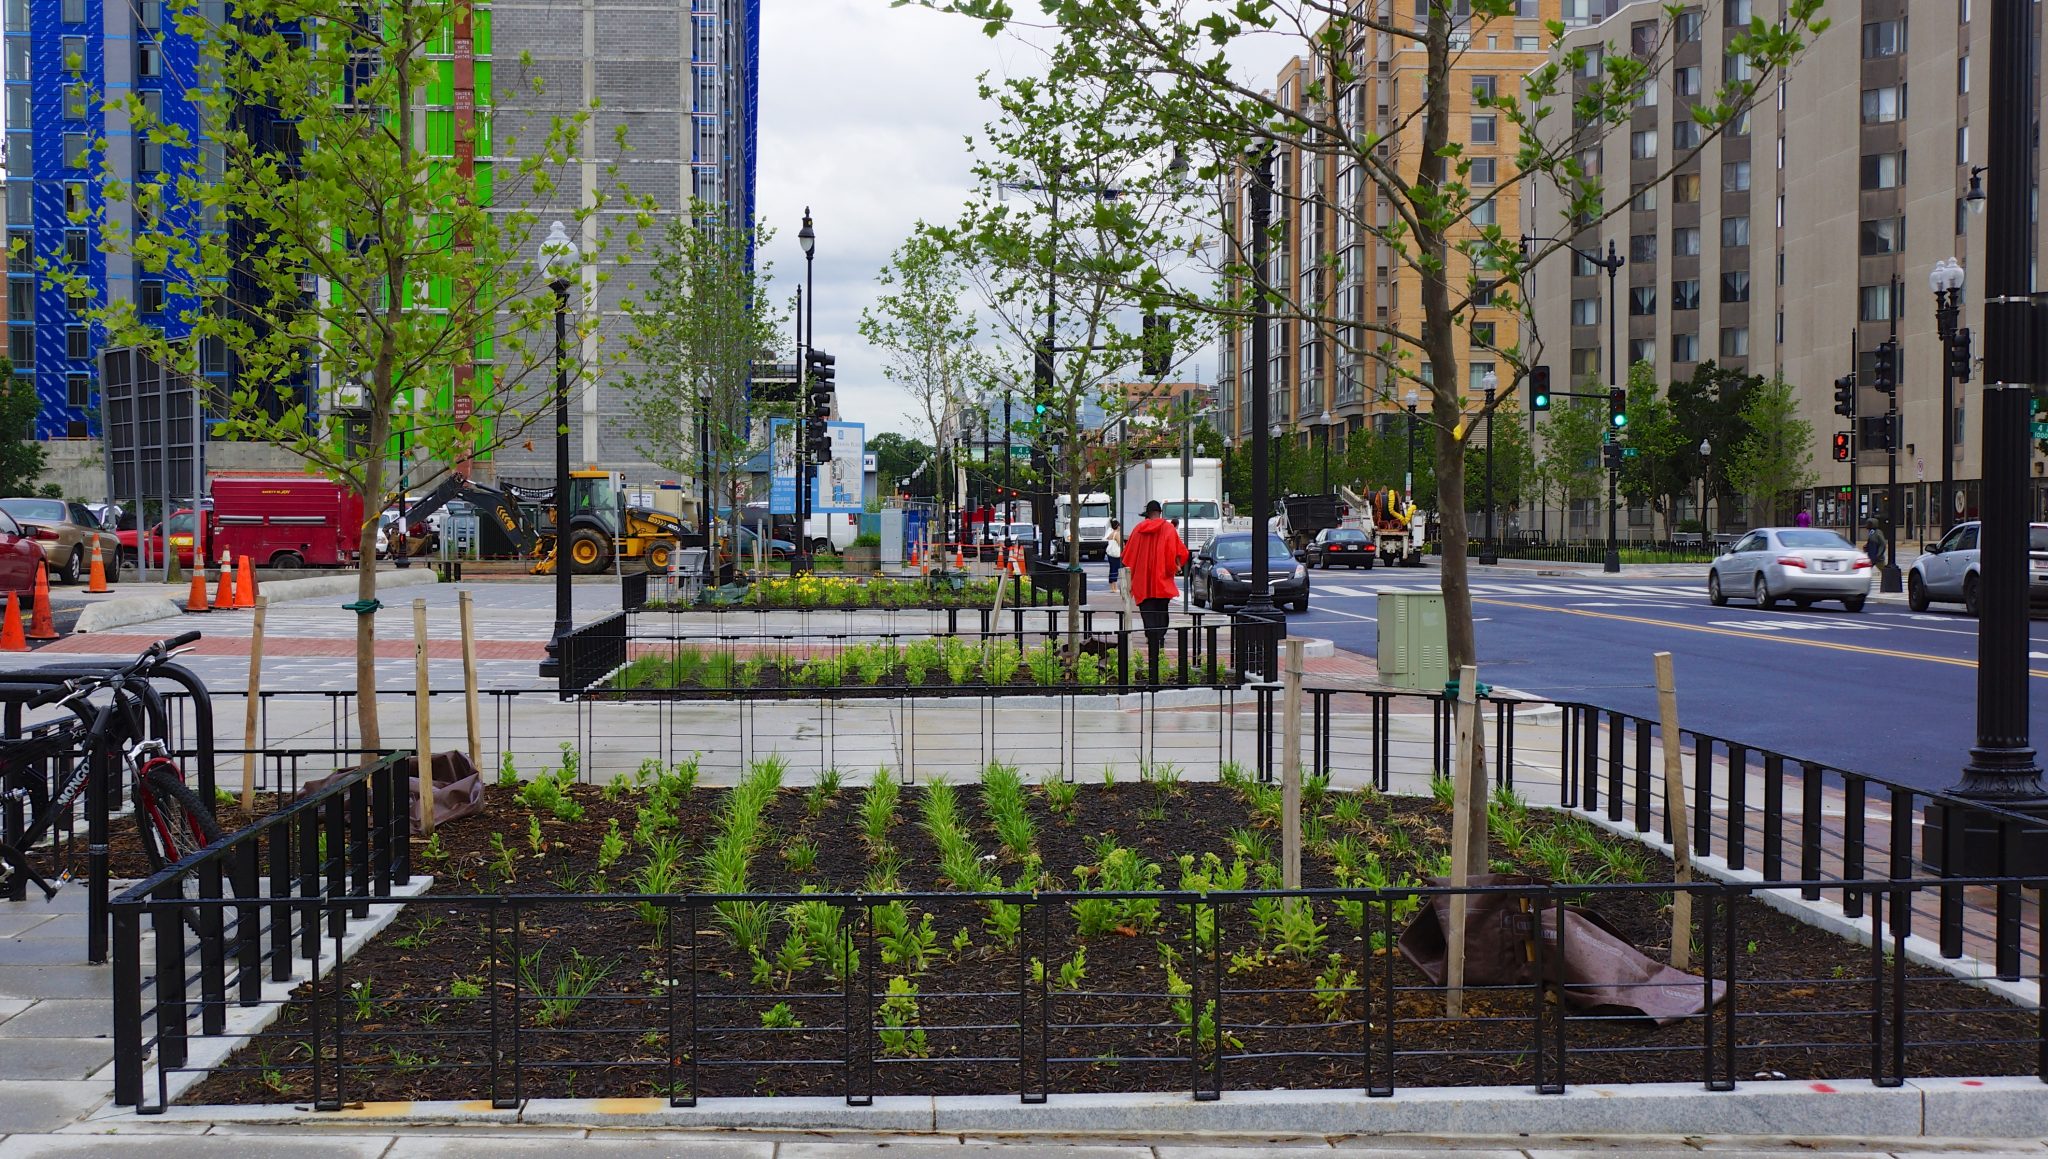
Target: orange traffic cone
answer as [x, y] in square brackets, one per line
[959, 561]
[99, 569]
[245, 584]
[224, 593]
[41, 625]
[11, 639]
[195, 603]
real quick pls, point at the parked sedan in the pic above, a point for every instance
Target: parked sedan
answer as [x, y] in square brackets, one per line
[1222, 574]
[1948, 571]
[20, 557]
[1803, 564]
[66, 533]
[1346, 546]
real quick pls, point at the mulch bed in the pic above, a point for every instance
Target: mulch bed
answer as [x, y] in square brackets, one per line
[417, 1005]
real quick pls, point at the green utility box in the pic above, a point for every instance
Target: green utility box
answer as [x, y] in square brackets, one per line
[1413, 651]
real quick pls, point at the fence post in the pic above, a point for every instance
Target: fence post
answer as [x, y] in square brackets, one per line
[1290, 771]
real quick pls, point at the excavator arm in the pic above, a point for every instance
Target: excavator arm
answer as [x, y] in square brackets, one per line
[490, 502]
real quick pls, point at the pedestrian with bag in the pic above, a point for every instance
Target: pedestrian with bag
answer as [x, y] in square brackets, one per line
[1873, 545]
[1114, 549]
[1154, 554]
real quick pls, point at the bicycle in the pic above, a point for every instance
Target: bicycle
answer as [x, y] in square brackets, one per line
[174, 822]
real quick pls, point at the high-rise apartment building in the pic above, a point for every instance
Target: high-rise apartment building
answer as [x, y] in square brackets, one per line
[1326, 253]
[1795, 244]
[678, 77]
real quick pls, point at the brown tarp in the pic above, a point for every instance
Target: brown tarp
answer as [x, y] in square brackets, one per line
[458, 787]
[1598, 970]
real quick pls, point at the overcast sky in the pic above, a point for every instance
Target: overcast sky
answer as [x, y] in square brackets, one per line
[864, 114]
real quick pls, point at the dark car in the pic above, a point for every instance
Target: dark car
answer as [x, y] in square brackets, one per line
[1341, 547]
[1222, 574]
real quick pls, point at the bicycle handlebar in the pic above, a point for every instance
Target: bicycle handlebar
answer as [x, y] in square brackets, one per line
[150, 657]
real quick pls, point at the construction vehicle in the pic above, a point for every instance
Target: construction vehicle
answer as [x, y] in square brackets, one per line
[594, 516]
[1394, 525]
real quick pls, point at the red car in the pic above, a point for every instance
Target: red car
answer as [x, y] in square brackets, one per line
[181, 538]
[21, 558]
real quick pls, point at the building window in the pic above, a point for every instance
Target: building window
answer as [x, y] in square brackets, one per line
[1483, 171]
[1583, 266]
[1642, 38]
[77, 153]
[1685, 81]
[1646, 97]
[75, 247]
[1685, 347]
[1586, 363]
[19, 58]
[1884, 105]
[1734, 176]
[1735, 286]
[1642, 144]
[1962, 144]
[1685, 189]
[1642, 301]
[18, 112]
[20, 206]
[1528, 44]
[75, 200]
[77, 103]
[1482, 129]
[1734, 341]
[1645, 200]
[21, 346]
[1685, 294]
[74, 342]
[1883, 38]
[1737, 13]
[1963, 74]
[1642, 350]
[73, 12]
[78, 389]
[1735, 230]
[1884, 235]
[1734, 68]
[1483, 89]
[1781, 211]
[147, 55]
[1685, 241]
[149, 297]
[1687, 26]
[21, 300]
[1585, 311]
[1484, 213]
[74, 55]
[1875, 303]
[1685, 134]
[1884, 170]
[149, 150]
[150, 14]
[1482, 333]
[1475, 375]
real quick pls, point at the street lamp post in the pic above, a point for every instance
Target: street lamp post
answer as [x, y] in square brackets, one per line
[1706, 490]
[1259, 621]
[1412, 398]
[2002, 769]
[559, 259]
[1326, 451]
[1946, 280]
[808, 239]
[1612, 263]
[1490, 383]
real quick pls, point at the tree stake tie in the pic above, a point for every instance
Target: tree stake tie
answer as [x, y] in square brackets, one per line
[364, 607]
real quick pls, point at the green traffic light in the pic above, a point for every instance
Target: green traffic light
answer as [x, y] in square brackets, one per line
[1620, 421]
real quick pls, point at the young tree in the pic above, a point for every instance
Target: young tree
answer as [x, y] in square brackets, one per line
[1708, 408]
[349, 275]
[1775, 455]
[897, 457]
[697, 331]
[1660, 471]
[1166, 65]
[21, 457]
[927, 335]
[1507, 443]
[1570, 464]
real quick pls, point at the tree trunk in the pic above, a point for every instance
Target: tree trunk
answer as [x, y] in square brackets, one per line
[366, 578]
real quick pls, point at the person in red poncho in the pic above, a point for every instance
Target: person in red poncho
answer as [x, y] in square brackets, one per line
[1153, 555]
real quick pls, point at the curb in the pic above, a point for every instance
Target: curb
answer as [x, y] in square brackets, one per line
[2005, 1107]
[130, 610]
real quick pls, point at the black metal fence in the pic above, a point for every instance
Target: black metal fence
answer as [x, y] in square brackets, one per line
[588, 654]
[251, 908]
[677, 1021]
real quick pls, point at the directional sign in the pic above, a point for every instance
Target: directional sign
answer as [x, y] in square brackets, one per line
[2040, 430]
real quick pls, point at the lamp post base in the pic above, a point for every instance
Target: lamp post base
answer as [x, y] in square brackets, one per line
[1889, 579]
[1255, 634]
[1488, 558]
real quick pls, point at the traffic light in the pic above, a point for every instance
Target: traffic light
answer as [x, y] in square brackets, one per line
[1156, 342]
[1884, 367]
[1845, 396]
[1876, 433]
[1539, 388]
[1617, 407]
[1611, 456]
[1041, 364]
[819, 375]
[1959, 356]
[1841, 446]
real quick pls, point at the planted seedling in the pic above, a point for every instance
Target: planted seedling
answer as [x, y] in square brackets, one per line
[508, 770]
[1060, 795]
[878, 807]
[612, 847]
[901, 1036]
[561, 992]
[780, 1017]
[800, 854]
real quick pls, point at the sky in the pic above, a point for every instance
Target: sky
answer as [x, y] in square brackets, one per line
[864, 114]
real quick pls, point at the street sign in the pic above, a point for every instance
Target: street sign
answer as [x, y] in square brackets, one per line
[2040, 430]
[1628, 452]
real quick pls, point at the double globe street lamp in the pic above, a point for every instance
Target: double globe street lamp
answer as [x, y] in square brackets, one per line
[559, 258]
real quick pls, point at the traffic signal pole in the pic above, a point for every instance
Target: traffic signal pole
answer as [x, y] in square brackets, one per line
[1888, 581]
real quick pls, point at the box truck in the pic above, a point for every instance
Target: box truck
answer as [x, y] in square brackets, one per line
[1194, 503]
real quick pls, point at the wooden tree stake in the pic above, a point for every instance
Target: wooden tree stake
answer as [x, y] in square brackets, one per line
[1675, 814]
[476, 737]
[422, 704]
[250, 757]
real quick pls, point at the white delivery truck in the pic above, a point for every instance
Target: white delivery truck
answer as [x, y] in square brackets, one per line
[1195, 504]
[1095, 519]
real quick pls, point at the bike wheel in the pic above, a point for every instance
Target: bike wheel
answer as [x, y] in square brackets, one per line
[174, 821]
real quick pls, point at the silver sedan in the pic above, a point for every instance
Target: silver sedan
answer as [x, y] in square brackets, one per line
[1802, 564]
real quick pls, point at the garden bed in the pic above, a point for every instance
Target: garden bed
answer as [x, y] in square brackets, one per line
[843, 594]
[751, 998]
[993, 663]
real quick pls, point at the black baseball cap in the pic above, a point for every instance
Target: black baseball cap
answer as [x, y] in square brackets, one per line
[1152, 508]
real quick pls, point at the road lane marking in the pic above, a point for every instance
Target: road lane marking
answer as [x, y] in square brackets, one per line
[1800, 625]
[1714, 631]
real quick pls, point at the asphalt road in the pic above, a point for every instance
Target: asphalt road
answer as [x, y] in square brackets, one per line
[1885, 691]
